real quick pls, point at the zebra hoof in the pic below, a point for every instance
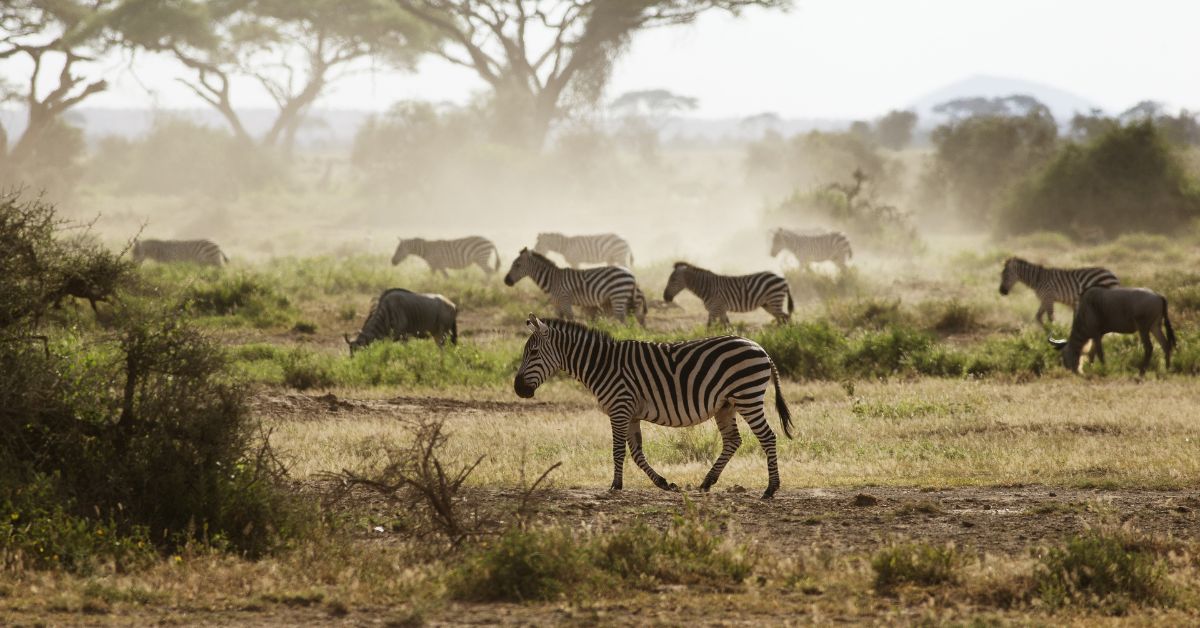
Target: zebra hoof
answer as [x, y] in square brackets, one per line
[614, 487]
[667, 486]
[770, 492]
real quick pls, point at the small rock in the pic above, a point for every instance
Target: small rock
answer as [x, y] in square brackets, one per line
[863, 500]
[378, 529]
[1182, 509]
[736, 488]
[1053, 494]
[968, 524]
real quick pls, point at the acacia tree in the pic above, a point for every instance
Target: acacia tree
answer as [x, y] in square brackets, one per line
[294, 49]
[49, 36]
[58, 42]
[538, 55]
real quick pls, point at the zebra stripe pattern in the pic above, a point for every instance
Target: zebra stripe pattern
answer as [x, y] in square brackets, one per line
[723, 293]
[443, 254]
[1063, 285]
[832, 246]
[203, 252]
[674, 384]
[608, 288]
[604, 248]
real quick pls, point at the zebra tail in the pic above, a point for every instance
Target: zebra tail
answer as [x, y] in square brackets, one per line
[791, 305]
[496, 266]
[1167, 323]
[454, 333]
[785, 415]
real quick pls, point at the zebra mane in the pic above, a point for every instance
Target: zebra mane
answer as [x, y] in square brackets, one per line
[566, 325]
[538, 256]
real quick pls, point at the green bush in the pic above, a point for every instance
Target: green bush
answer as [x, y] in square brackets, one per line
[809, 350]
[138, 434]
[952, 316]
[872, 313]
[241, 296]
[1128, 179]
[1105, 569]
[915, 563]
[691, 551]
[39, 531]
[303, 370]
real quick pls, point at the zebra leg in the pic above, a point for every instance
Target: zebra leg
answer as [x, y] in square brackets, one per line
[620, 427]
[639, 457]
[752, 411]
[730, 441]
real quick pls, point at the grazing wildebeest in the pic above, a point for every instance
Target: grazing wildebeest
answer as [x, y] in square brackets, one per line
[1117, 310]
[400, 314]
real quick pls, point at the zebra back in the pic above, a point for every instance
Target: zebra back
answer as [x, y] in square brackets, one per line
[459, 253]
[203, 252]
[606, 248]
[831, 246]
[733, 293]
[1063, 285]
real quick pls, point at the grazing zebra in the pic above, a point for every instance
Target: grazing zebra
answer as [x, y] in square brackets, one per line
[400, 313]
[203, 252]
[443, 254]
[676, 384]
[724, 293]
[1053, 284]
[603, 248]
[832, 246]
[611, 289]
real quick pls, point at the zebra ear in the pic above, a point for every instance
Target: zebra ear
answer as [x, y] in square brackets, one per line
[536, 325]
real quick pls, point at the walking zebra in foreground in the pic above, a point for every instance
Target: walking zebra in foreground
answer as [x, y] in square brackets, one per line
[443, 254]
[724, 293]
[604, 248]
[203, 252]
[674, 384]
[608, 288]
[1063, 285]
[832, 246]
[400, 313]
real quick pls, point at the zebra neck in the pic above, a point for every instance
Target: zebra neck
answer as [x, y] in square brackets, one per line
[699, 282]
[591, 361]
[1029, 273]
[544, 276]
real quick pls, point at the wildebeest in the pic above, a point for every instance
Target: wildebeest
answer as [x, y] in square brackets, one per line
[400, 314]
[1117, 310]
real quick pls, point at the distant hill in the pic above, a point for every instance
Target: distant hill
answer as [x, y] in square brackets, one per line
[1062, 103]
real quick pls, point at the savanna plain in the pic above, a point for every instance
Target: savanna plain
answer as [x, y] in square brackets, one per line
[945, 467]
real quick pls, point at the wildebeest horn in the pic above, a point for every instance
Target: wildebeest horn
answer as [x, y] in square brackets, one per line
[1056, 343]
[347, 337]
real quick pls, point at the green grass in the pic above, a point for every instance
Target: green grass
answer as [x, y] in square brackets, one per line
[915, 564]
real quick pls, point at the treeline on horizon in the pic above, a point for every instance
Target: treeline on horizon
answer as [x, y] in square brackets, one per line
[1002, 165]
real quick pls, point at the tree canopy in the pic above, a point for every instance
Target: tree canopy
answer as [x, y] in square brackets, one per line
[541, 57]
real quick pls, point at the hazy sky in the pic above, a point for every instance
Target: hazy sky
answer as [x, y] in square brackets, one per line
[840, 59]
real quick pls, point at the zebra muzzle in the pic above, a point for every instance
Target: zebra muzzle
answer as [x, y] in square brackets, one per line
[523, 390]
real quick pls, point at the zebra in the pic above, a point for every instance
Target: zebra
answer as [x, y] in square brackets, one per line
[677, 384]
[831, 246]
[608, 288]
[724, 293]
[203, 252]
[603, 248]
[443, 254]
[399, 314]
[1063, 285]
